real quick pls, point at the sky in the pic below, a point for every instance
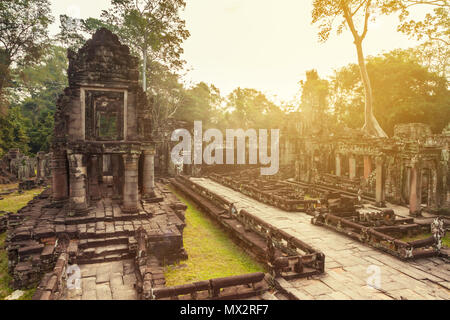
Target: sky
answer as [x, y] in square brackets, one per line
[263, 44]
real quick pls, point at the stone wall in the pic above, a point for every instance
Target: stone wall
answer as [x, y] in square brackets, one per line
[410, 168]
[15, 166]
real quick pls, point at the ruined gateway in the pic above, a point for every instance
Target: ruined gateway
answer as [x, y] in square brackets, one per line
[107, 226]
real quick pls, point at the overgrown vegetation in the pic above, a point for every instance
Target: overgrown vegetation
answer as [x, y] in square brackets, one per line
[212, 254]
[445, 240]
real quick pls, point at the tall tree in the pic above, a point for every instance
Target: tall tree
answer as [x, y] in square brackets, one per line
[167, 94]
[347, 13]
[202, 102]
[151, 28]
[23, 33]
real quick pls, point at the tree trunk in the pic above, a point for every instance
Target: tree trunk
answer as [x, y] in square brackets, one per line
[371, 125]
[5, 63]
[144, 70]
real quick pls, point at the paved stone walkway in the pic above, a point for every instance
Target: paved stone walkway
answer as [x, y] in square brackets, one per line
[349, 264]
[106, 281]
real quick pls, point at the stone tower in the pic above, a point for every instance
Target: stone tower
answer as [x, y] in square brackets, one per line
[102, 129]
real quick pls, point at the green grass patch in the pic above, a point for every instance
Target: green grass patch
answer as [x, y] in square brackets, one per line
[16, 201]
[12, 203]
[212, 254]
[5, 278]
[445, 240]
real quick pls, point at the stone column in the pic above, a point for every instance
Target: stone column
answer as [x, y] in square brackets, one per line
[117, 178]
[338, 164]
[434, 188]
[148, 181]
[352, 166]
[59, 168]
[94, 188]
[78, 188]
[380, 181]
[40, 172]
[130, 188]
[367, 167]
[415, 190]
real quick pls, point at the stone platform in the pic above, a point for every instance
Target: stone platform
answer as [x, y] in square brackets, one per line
[41, 230]
[105, 281]
[349, 264]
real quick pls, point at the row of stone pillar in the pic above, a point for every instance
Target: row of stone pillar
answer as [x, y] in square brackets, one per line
[379, 174]
[415, 181]
[352, 166]
[40, 166]
[81, 185]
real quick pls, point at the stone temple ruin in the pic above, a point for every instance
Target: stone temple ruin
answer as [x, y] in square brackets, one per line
[109, 223]
[104, 212]
[28, 171]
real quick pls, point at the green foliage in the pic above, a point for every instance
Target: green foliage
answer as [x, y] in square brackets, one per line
[202, 102]
[150, 27]
[340, 14]
[250, 108]
[404, 91]
[166, 94]
[23, 33]
[13, 131]
[36, 90]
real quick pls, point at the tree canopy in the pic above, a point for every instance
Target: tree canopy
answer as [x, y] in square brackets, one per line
[23, 33]
[404, 91]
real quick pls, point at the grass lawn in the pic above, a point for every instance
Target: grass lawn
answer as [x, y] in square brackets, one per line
[212, 254]
[12, 203]
[15, 201]
[445, 240]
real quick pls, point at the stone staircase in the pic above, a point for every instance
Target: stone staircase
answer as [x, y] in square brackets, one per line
[106, 250]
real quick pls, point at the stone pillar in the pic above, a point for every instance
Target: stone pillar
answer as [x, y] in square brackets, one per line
[94, 188]
[130, 188]
[434, 189]
[380, 181]
[338, 164]
[352, 166]
[415, 190]
[78, 187]
[367, 167]
[59, 168]
[40, 175]
[117, 176]
[148, 174]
